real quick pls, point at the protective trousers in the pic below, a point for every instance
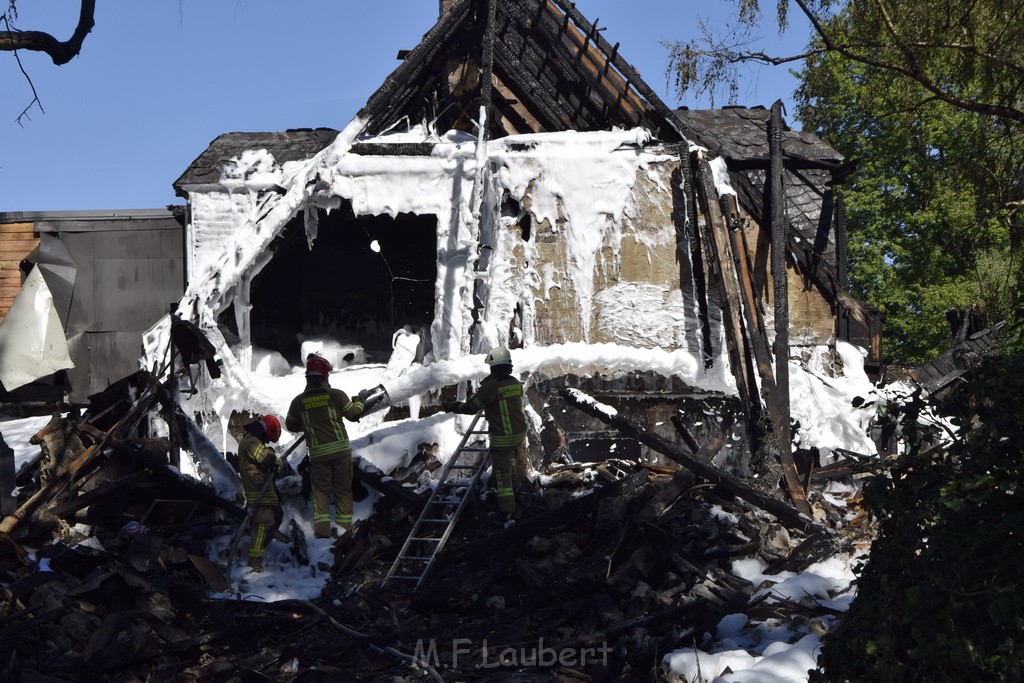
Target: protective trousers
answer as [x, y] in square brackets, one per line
[509, 466]
[331, 477]
[263, 517]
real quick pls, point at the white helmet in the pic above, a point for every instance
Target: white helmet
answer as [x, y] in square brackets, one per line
[499, 355]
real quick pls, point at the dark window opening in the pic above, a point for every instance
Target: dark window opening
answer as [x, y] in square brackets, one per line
[364, 278]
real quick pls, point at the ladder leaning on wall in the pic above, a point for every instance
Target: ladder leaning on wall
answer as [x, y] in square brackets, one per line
[458, 480]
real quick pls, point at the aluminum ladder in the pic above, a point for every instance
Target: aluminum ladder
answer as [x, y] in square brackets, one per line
[455, 486]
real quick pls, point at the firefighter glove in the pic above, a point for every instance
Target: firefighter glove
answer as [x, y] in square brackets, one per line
[449, 406]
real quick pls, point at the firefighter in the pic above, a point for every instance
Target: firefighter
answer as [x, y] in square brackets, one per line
[257, 462]
[500, 396]
[317, 412]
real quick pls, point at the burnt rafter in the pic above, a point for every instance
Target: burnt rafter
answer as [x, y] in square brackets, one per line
[611, 93]
[560, 71]
[540, 62]
[545, 108]
[390, 101]
[597, 101]
[666, 123]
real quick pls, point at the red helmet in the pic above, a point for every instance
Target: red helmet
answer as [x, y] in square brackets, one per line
[272, 426]
[318, 365]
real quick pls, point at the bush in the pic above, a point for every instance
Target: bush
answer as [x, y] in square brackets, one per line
[941, 596]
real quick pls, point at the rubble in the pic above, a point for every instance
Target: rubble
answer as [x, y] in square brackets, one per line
[108, 566]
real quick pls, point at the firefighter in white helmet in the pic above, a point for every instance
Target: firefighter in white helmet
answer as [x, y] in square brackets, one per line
[500, 396]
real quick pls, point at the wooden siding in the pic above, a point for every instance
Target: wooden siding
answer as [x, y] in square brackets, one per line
[17, 240]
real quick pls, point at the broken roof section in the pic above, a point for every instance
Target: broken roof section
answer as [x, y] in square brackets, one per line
[551, 70]
[739, 135]
[291, 145]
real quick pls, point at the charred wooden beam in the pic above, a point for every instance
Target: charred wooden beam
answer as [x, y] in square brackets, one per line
[775, 399]
[391, 488]
[779, 228]
[782, 511]
[393, 95]
[840, 209]
[543, 103]
[668, 127]
[715, 236]
[100, 492]
[8, 478]
[684, 431]
[487, 61]
[692, 236]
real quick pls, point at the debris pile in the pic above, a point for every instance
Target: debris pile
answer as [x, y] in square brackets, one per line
[111, 565]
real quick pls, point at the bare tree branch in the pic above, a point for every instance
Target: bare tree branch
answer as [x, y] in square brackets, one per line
[703, 64]
[38, 41]
[913, 71]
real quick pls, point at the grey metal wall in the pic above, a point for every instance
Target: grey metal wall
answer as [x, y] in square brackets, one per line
[128, 268]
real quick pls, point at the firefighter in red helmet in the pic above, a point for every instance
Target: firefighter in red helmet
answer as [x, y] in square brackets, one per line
[257, 462]
[317, 412]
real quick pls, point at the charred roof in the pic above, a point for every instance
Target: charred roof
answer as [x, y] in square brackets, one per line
[290, 145]
[550, 70]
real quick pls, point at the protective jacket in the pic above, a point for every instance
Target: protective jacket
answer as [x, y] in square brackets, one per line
[501, 399]
[317, 412]
[257, 462]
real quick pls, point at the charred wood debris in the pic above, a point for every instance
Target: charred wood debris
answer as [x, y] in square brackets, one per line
[106, 574]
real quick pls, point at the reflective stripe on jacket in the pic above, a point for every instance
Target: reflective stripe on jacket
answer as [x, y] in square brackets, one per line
[317, 412]
[501, 399]
[255, 463]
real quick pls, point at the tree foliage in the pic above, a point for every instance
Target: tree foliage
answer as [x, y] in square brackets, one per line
[928, 97]
[933, 208]
[941, 597]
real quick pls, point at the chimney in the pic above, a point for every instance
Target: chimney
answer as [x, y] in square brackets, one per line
[445, 6]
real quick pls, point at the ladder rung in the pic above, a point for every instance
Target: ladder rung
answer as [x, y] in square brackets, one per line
[450, 492]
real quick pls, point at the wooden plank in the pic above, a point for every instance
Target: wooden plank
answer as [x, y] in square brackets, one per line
[17, 247]
[716, 238]
[15, 236]
[9, 292]
[776, 403]
[8, 264]
[17, 228]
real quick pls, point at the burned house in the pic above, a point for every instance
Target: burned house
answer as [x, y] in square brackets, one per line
[515, 181]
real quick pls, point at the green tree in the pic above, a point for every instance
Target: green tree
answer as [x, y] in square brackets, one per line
[932, 206]
[927, 96]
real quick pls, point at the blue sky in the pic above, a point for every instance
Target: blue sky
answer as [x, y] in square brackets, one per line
[158, 80]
